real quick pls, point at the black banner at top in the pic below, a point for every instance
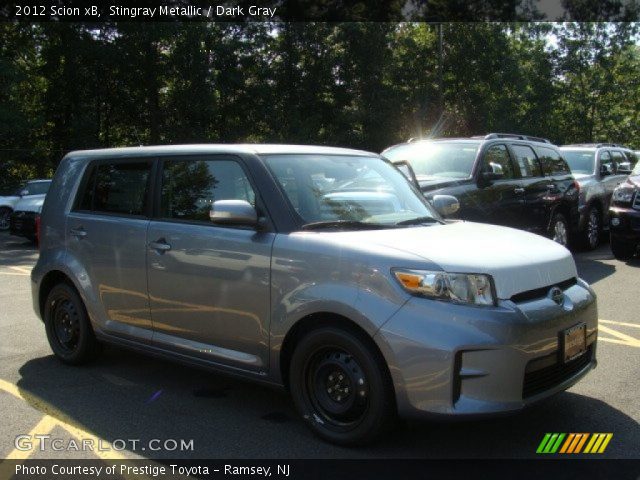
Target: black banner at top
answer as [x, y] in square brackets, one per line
[321, 10]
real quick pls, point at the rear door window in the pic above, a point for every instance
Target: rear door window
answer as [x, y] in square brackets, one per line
[526, 160]
[620, 162]
[552, 162]
[117, 188]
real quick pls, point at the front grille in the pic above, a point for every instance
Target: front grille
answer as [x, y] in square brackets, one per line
[542, 292]
[542, 379]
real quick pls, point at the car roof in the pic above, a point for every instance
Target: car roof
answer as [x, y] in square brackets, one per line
[247, 148]
[39, 180]
[472, 140]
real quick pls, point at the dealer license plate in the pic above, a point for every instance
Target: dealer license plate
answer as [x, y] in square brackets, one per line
[574, 341]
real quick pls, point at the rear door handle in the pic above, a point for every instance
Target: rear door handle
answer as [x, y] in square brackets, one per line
[518, 190]
[160, 246]
[78, 232]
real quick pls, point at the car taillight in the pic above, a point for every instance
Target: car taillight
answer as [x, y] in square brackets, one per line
[38, 230]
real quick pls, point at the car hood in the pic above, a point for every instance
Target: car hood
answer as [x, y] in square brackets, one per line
[635, 181]
[30, 203]
[517, 260]
[434, 183]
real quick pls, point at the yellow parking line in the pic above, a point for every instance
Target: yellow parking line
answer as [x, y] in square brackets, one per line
[21, 269]
[622, 338]
[622, 324]
[44, 426]
[48, 423]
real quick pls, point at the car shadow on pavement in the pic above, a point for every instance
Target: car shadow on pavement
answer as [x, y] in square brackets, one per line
[16, 250]
[126, 395]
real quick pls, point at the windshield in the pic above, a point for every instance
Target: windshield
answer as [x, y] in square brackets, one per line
[345, 188]
[580, 161]
[437, 159]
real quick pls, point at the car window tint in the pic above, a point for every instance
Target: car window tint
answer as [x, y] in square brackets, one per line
[189, 187]
[620, 162]
[496, 160]
[606, 162]
[121, 188]
[38, 188]
[85, 196]
[527, 161]
[552, 162]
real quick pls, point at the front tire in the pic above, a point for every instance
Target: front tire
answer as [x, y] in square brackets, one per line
[68, 328]
[622, 250]
[593, 229]
[341, 387]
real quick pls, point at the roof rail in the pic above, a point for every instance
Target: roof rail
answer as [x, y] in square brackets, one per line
[516, 136]
[595, 145]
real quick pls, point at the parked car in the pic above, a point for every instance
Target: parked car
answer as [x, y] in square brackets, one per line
[318, 269]
[26, 217]
[504, 179]
[8, 202]
[599, 168]
[624, 215]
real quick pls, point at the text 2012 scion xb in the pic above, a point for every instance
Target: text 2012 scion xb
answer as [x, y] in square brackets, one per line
[318, 269]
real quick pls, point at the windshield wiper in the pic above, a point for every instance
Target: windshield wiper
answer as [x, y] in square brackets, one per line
[418, 221]
[355, 224]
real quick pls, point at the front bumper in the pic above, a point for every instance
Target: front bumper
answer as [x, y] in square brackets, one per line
[23, 224]
[628, 225]
[460, 360]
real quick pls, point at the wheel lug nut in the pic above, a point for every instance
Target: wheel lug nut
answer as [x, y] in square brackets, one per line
[340, 377]
[361, 382]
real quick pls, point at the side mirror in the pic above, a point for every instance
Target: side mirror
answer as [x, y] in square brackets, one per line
[445, 204]
[604, 170]
[23, 192]
[233, 212]
[490, 176]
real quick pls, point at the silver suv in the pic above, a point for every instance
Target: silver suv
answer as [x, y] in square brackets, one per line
[598, 168]
[321, 270]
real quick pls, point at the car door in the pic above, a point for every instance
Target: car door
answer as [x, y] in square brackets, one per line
[499, 196]
[208, 284]
[533, 214]
[607, 173]
[106, 242]
[558, 178]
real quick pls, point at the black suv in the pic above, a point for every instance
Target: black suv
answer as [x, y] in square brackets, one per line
[598, 168]
[505, 179]
[624, 215]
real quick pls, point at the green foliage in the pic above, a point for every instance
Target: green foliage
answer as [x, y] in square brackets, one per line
[66, 86]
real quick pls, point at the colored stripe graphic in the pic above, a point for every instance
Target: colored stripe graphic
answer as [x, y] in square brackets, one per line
[573, 443]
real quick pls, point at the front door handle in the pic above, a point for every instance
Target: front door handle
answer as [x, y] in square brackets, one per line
[78, 232]
[518, 190]
[160, 246]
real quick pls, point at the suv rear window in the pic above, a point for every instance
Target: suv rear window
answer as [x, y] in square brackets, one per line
[116, 188]
[552, 162]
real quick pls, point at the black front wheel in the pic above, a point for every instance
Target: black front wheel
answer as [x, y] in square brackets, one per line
[341, 387]
[68, 328]
[622, 250]
[593, 229]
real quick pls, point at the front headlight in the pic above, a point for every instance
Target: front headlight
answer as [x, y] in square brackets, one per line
[467, 288]
[623, 195]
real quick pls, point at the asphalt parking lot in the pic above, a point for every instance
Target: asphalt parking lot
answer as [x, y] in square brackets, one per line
[125, 397]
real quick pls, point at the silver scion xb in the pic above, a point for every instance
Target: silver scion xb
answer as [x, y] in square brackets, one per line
[321, 270]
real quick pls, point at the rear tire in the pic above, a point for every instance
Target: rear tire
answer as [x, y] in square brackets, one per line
[622, 250]
[5, 214]
[559, 229]
[341, 387]
[68, 328]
